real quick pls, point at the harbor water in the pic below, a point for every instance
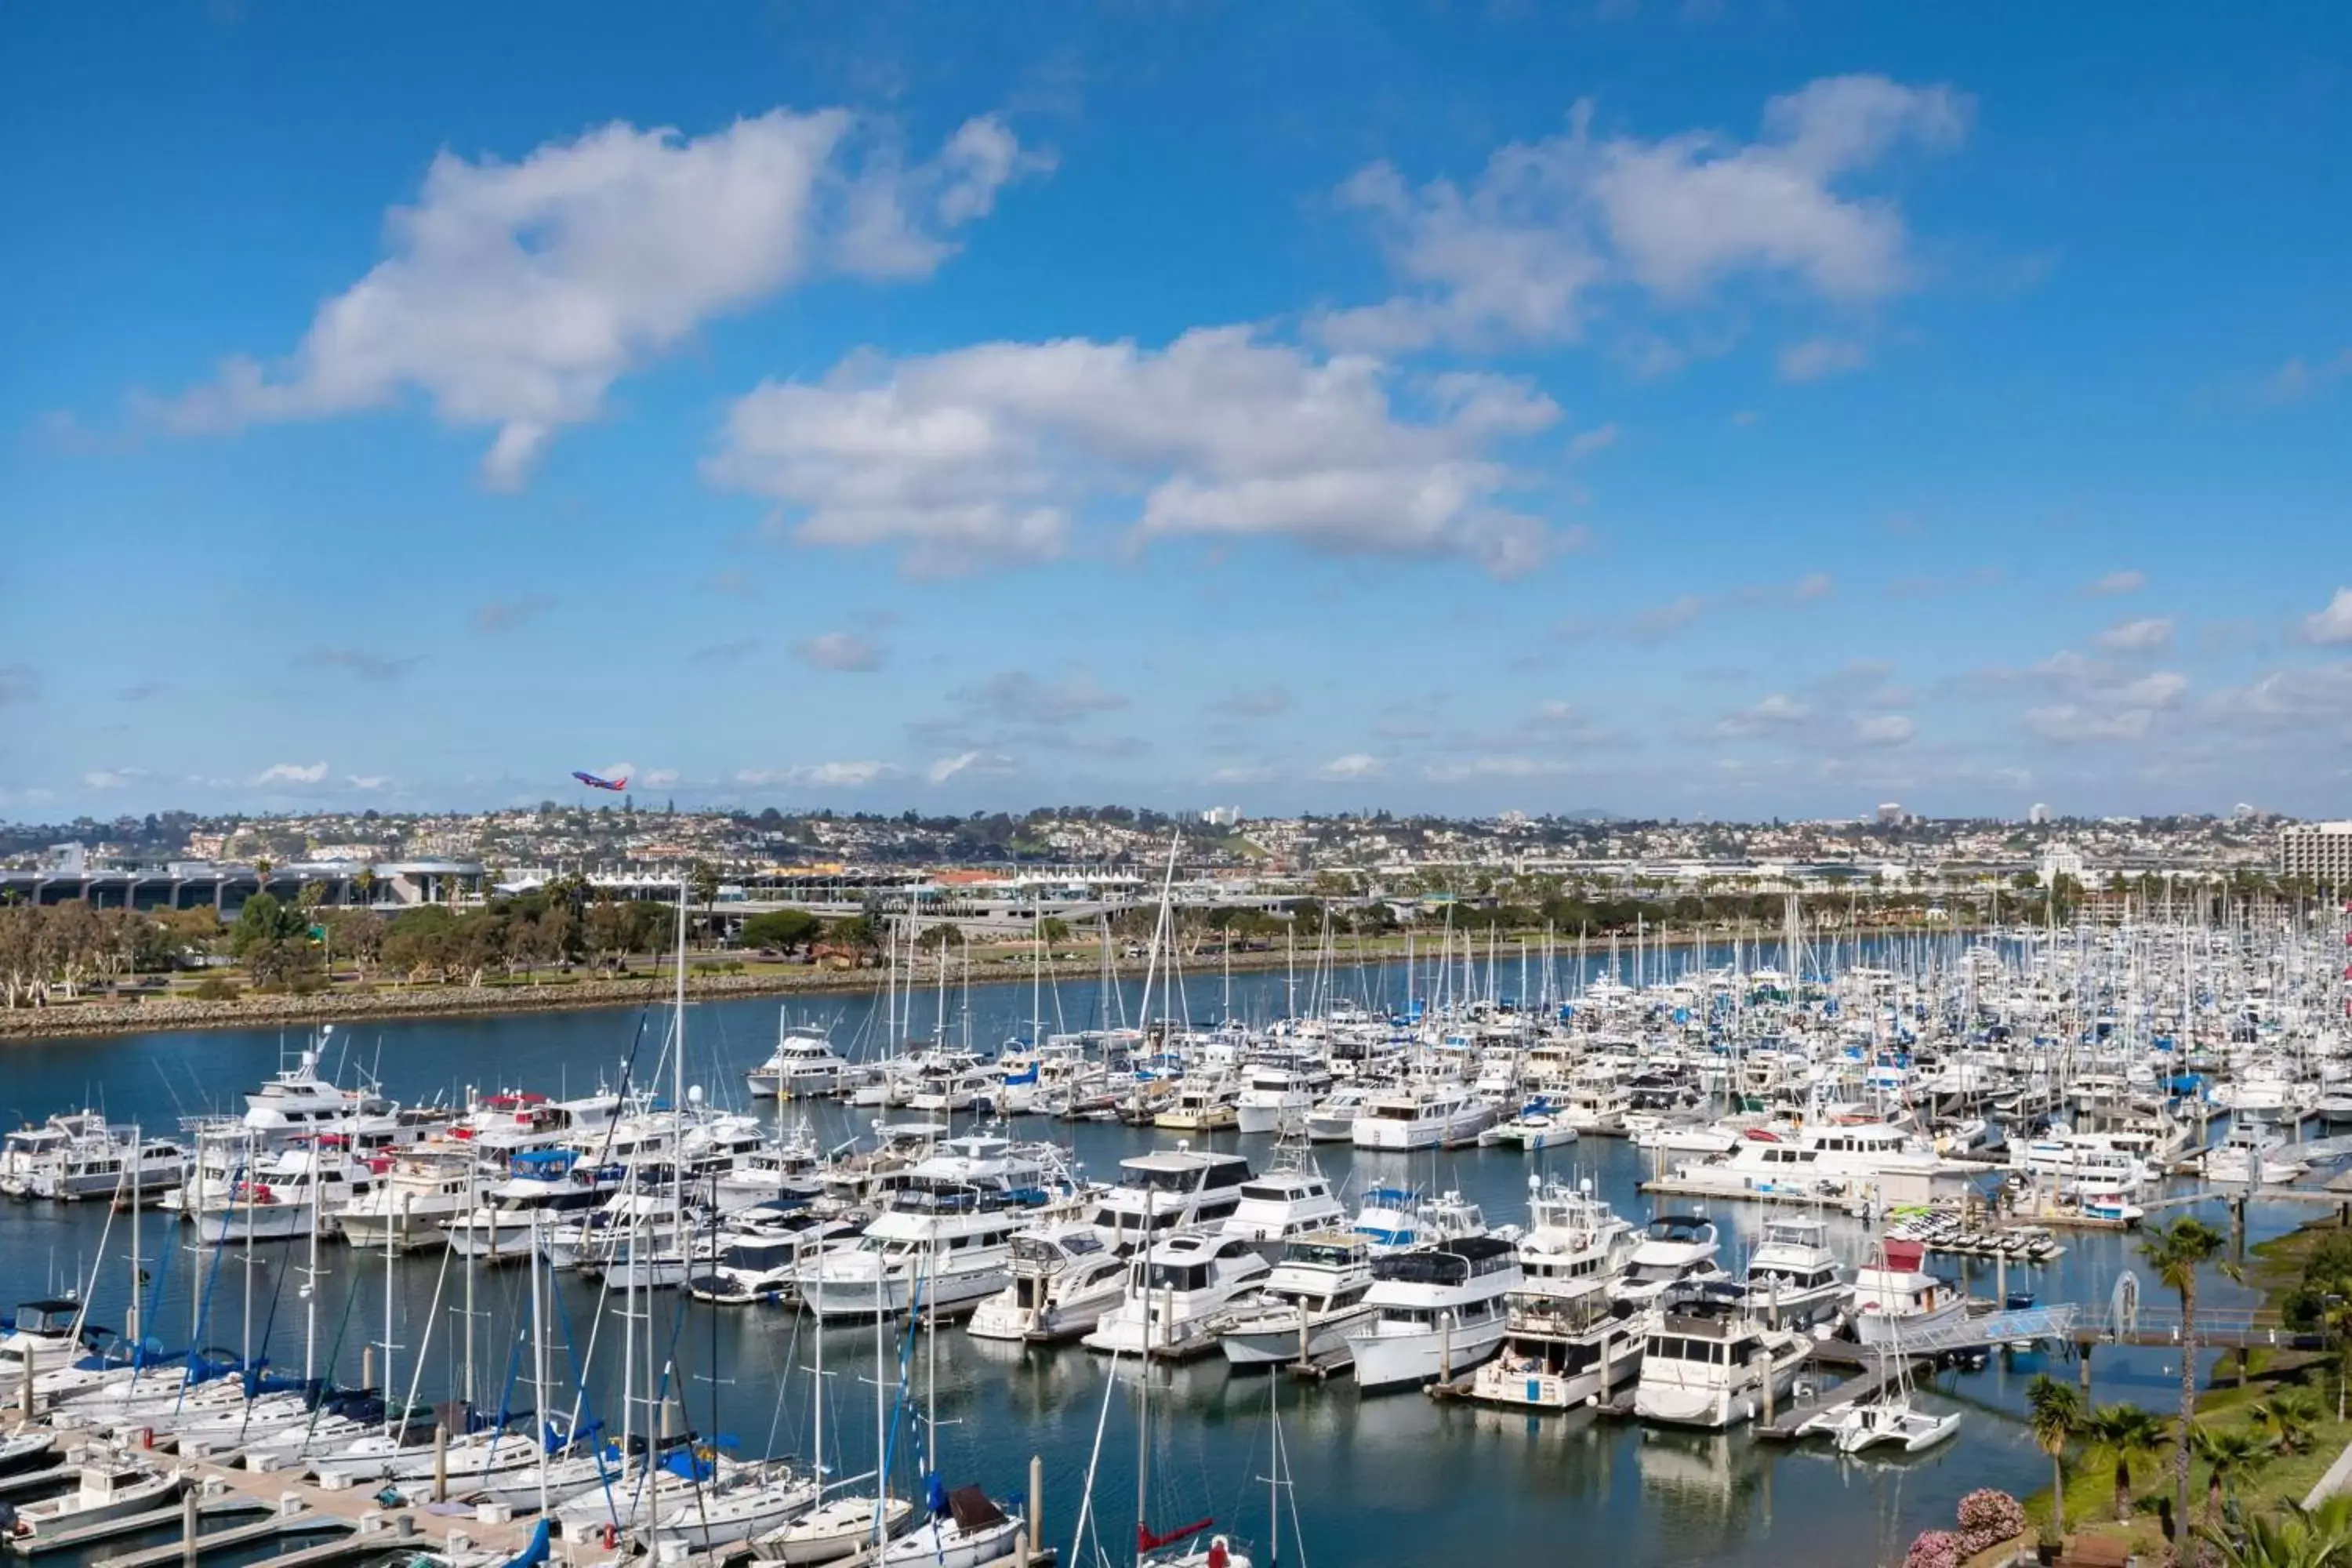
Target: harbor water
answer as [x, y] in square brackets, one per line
[1395, 1479]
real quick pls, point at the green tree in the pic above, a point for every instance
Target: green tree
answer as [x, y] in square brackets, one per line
[2054, 1411]
[2128, 1434]
[2286, 1418]
[2176, 1251]
[2232, 1455]
[264, 920]
[782, 930]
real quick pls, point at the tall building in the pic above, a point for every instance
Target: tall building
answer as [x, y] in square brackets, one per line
[1890, 814]
[2038, 814]
[2319, 850]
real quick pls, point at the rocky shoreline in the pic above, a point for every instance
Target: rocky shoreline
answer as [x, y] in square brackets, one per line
[100, 1018]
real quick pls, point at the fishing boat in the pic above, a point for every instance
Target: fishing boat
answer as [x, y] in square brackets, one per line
[107, 1487]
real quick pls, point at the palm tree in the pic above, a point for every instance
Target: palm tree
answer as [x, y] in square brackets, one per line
[2287, 1418]
[2055, 1410]
[2129, 1433]
[2338, 1320]
[2234, 1454]
[2176, 1251]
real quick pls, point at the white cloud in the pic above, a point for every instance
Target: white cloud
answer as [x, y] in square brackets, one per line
[1520, 254]
[844, 651]
[2114, 585]
[1816, 359]
[2331, 625]
[1885, 729]
[2312, 699]
[992, 454]
[1584, 443]
[366, 783]
[291, 772]
[947, 768]
[1017, 697]
[2068, 723]
[2152, 634]
[506, 614]
[1498, 765]
[1810, 586]
[1778, 711]
[514, 295]
[658, 778]
[1354, 765]
[110, 778]
[821, 775]
[616, 771]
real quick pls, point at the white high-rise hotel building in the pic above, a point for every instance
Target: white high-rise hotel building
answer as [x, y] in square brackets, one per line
[2319, 850]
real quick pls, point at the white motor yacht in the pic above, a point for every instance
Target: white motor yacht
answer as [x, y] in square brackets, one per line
[1274, 1092]
[1168, 1190]
[1676, 1249]
[81, 1155]
[1436, 1312]
[1707, 1361]
[1573, 1246]
[1065, 1277]
[944, 1242]
[1178, 1294]
[2254, 1152]
[1291, 1199]
[1430, 1115]
[411, 1205]
[1560, 1354]
[1894, 1299]
[802, 1065]
[1333, 1119]
[1308, 1307]
[297, 1100]
[1537, 1125]
[1792, 1276]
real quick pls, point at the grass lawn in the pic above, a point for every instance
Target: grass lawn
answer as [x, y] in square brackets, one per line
[2273, 1267]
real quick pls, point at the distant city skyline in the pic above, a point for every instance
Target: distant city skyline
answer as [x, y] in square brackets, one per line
[1728, 412]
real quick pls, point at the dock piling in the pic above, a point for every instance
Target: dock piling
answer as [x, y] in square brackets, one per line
[1037, 1506]
[188, 1506]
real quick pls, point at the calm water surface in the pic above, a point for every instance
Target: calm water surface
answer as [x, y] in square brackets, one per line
[1392, 1479]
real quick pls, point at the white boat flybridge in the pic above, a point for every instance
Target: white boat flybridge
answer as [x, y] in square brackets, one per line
[1793, 1278]
[1676, 1249]
[297, 1100]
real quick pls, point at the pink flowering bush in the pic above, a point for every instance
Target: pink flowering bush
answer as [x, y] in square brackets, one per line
[1988, 1517]
[1935, 1549]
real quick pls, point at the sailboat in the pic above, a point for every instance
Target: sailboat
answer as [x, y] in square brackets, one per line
[840, 1527]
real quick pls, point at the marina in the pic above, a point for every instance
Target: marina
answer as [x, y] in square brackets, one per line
[838, 1227]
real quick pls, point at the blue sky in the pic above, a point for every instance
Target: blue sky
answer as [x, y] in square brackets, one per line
[1727, 410]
